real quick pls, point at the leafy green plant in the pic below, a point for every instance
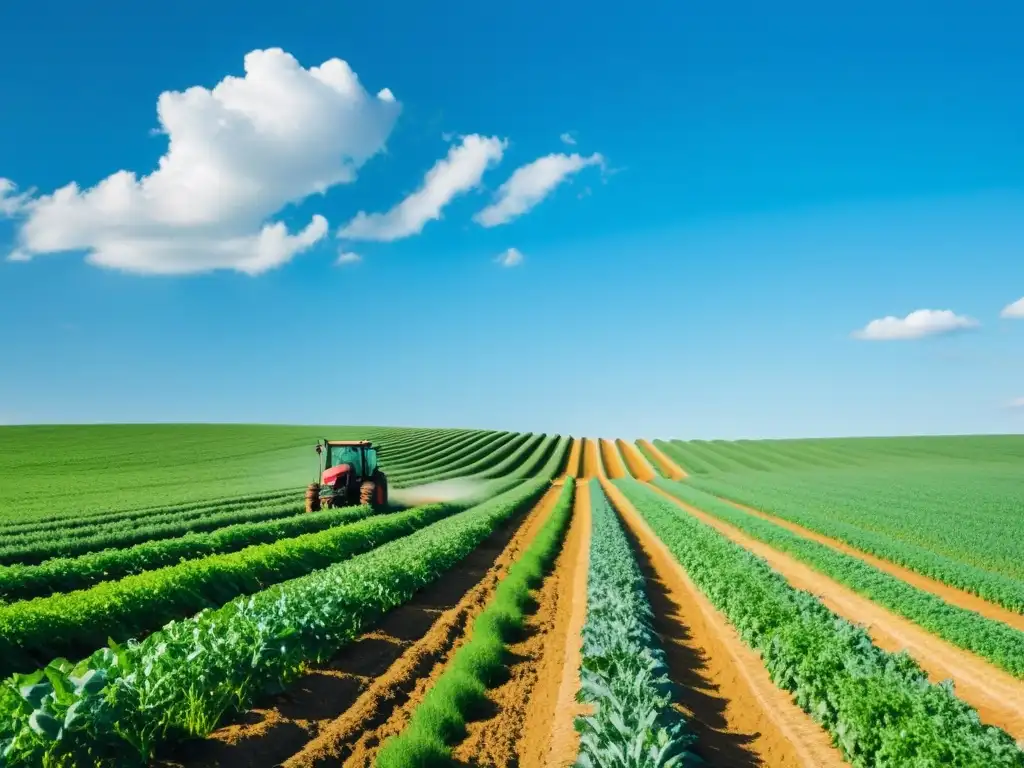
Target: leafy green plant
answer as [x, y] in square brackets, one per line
[439, 720]
[623, 672]
[115, 707]
[879, 707]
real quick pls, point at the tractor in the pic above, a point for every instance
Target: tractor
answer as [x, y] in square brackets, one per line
[349, 475]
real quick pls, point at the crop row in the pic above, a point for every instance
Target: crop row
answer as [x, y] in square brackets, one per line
[480, 445]
[67, 574]
[477, 462]
[118, 705]
[438, 722]
[879, 707]
[951, 525]
[125, 534]
[1000, 643]
[623, 673]
[34, 631]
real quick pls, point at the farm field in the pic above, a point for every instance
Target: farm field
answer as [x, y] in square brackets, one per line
[525, 600]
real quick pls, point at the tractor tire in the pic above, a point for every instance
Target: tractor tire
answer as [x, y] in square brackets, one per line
[382, 489]
[367, 491]
[313, 498]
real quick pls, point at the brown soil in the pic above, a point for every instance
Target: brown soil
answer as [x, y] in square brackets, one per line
[998, 696]
[637, 463]
[740, 717]
[611, 460]
[665, 464]
[951, 595]
[531, 701]
[591, 459]
[338, 707]
[573, 468]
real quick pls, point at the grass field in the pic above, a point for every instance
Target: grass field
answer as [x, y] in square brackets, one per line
[165, 599]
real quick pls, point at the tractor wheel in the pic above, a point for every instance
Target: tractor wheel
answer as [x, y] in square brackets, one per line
[381, 480]
[367, 491]
[313, 498]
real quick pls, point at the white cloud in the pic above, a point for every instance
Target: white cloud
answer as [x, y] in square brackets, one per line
[237, 155]
[458, 172]
[347, 257]
[1016, 403]
[567, 138]
[530, 184]
[12, 203]
[916, 325]
[1015, 310]
[510, 258]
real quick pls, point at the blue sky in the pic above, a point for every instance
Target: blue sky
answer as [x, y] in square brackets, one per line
[757, 184]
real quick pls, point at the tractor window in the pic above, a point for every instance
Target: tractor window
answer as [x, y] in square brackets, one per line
[345, 454]
[371, 461]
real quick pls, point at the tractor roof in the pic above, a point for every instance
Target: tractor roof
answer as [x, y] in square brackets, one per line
[367, 443]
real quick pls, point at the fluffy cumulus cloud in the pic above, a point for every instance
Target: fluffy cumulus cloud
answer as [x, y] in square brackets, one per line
[347, 257]
[530, 184]
[916, 325]
[237, 154]
[460, 171]
[1014, 311]
[510, 258]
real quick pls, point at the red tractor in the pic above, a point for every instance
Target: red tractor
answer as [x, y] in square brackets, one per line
[349, 475]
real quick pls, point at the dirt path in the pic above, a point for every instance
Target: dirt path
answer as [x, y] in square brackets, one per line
[951, 595]
[611, 460]
[337, 707]
[534, 708]
[665, 464]
[998, 697]
[636, 462]
[572, 467]
[740, 717]
[591, 459]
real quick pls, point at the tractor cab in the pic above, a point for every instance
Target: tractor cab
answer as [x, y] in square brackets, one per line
[349, 474]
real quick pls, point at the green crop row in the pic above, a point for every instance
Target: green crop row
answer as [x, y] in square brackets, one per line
[963, 535]
[474, 464]
[117, 706]
[44, 547]
[34, 631]
[879, 707]
[66, 574]
[479, 444]
[1000, 643]
[438, 722]
[623, 672]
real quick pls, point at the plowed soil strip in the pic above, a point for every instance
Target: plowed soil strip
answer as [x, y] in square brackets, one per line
[531, 701]
[337, 708]
[740, 717]
[998, 697]
[951, 595]
[636, 462]
[591, 459]
[611, 460]
[573, 468]
[665, 464]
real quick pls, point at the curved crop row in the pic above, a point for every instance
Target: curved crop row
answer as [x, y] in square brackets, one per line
[461, 465]
[999, 643]
[453, 453]
[482, 463]
[117, 706]
[67, 574]
[43, 548]
[71, 624]
[439, 720]
[879, 707]
[623, 673]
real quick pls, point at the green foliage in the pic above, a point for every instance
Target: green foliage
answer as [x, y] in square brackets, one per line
[623, 671]
[439, 720]
[879, 707]
[21, 582]
[999, 643]
[115, 707]
[72, 624]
